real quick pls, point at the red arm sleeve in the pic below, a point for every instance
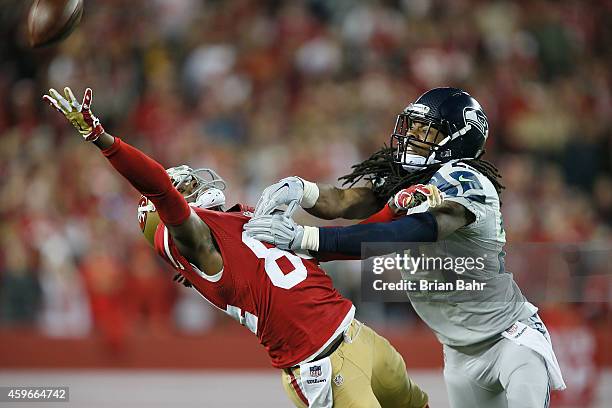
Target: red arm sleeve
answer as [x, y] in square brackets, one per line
[150, 178]
[384, 215]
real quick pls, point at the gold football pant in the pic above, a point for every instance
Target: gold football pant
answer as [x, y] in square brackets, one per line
[366, 372]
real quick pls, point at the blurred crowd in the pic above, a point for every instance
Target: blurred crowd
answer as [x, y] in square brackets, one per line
[259, 90]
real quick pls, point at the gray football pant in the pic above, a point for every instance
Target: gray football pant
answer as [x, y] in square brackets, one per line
[501, 375]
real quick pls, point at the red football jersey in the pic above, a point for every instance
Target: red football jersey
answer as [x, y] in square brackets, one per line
[286, 300]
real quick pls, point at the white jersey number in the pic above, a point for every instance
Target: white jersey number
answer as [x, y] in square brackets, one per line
[273, 270]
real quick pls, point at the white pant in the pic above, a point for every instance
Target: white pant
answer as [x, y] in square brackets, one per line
[498, 375]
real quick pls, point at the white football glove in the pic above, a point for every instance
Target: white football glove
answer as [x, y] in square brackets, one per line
[78, 114]
[289, 191]
[277, 229]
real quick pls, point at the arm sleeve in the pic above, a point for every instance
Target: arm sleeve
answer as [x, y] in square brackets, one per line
[150, 178]
[421, 227]
[384, 215]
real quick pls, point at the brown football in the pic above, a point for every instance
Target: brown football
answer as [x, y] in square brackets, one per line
[50, 21]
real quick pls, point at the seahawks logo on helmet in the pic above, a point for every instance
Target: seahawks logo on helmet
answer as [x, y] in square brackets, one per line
[476, 117]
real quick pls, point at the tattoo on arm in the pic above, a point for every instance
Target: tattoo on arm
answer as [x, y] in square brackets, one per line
[350, 203]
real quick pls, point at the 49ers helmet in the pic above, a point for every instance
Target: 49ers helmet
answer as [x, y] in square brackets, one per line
[207, 192]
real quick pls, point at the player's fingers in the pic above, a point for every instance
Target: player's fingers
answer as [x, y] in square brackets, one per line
[255, 223]
[257, 230]
[402, 199]
[259, 204]
[431, 200]
[425, 190]
[61, 101]
[268, 207]
[263, 237]
[262, 208]
[439, 196]
[276, 197]
[87, 98]
[260, 219]
[262, 203]
[434, 198]
[52, 102]
[70, 97]
[291, 207]
[396, 201]
[260, 237]
[254, 226]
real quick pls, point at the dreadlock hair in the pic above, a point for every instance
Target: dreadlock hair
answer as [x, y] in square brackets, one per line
[388, 178]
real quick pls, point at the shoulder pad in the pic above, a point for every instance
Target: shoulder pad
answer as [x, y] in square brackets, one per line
[456, 179]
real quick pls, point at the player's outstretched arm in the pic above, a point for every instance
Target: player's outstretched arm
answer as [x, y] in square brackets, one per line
[430, 226]
[321, 200]
[191, 235]
[349, 203]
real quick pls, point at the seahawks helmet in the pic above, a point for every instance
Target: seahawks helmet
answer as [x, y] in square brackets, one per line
[451, 111]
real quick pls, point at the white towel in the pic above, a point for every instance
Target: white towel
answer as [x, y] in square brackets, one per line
[315, 382]
[524, 335]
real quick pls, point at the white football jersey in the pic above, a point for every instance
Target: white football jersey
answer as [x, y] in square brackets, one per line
[465, 317]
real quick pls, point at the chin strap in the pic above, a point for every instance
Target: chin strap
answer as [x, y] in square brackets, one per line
[212, 197]
[414, 162]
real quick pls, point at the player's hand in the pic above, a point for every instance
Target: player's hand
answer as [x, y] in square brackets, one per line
[79, 114]
[289, 191]
[277, 229]
[415, 195]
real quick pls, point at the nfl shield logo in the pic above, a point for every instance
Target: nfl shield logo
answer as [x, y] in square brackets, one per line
[315, 371]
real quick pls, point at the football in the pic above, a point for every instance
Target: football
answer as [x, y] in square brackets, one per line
[50, 21]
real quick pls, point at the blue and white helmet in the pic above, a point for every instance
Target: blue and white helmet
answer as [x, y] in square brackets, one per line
[451, 111]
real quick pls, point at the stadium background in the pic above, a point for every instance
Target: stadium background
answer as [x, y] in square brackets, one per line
[259, 91]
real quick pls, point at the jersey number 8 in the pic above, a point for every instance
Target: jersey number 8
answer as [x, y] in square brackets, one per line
[273, 270]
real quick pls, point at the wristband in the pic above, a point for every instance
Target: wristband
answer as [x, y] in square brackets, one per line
[310, 240]
[96, 132]
[311, 194]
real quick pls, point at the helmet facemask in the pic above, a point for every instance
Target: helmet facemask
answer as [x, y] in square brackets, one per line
[206, 192]
[205, 184]
[416, 152]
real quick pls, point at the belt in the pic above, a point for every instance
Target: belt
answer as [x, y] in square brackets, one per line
[327, 351]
